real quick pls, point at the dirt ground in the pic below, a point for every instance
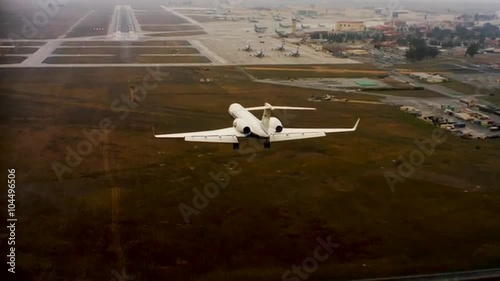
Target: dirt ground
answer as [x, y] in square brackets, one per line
[118, 206]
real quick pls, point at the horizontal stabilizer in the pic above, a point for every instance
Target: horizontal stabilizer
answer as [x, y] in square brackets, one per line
[215, 139]
[270, 107]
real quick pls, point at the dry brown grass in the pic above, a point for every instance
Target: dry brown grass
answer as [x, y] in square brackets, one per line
[269, 216]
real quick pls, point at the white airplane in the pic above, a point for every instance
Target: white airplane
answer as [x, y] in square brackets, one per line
[259, 54]
[246, 125]
[247, 48]
[280, 47]
[294, 53]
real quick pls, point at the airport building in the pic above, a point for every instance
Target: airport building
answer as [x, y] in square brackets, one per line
[350, 26]
[307, 13]
[429, 78]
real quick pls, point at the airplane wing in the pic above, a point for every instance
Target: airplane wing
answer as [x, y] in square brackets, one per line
[278, 107]
[297, 134]
[227, 135]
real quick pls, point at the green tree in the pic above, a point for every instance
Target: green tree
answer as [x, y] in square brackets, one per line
[419, 50]
[463, 33]
[402, 41]
[431, 52]
[472, 50]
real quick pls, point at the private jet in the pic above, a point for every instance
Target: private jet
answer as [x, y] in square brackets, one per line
[246, 125]
[259, 54]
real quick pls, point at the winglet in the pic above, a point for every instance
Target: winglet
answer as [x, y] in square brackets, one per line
[154, 133]
[356, 126]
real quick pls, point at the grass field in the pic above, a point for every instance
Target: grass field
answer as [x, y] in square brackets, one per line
[126, 58]
[9, 60]
[78, 59]
[172, 59]
[18, 51]
[427, 65]
[173, 43]
[158, 17]
[23, 44]
[95, 24]
[495, 99]
[409, 93]
[21, 23]
[319, 71]
[461, 87]
[119, 207]
[119, 50]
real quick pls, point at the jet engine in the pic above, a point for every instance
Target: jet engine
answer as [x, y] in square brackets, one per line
[241, 126]
[275, 124]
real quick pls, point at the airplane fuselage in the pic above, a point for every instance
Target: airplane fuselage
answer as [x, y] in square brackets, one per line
[237, 111]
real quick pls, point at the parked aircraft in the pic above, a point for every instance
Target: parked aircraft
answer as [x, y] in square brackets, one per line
[280, 33]
[280, 47]
[247, 48]
[259, 29]
[276, 18]
[294, 53]
[259, 54]
[285, 25]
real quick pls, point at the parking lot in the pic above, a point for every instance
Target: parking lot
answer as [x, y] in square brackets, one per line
[433, 107]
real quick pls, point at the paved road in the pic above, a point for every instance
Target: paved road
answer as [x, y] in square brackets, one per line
[39, 56]
[207, 52]
[180, 15]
